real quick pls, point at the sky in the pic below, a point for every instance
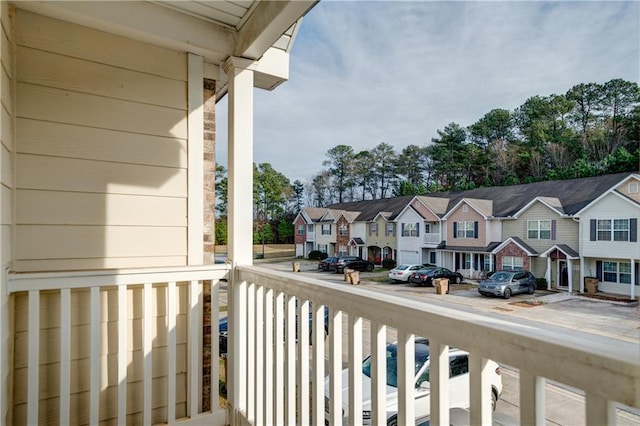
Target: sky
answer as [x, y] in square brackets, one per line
[366, 72]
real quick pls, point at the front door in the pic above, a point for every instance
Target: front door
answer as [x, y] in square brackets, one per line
[563, 274]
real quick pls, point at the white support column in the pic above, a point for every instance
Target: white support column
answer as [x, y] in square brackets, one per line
[195, 149]
[240, 160]
[633, 278]
[548, 273]
[439, 382]
[581, 274]
[569, 274]
[240, 220]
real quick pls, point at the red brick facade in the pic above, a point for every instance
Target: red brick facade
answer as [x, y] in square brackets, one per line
[513, 250]
[342, 240]
[299, 238]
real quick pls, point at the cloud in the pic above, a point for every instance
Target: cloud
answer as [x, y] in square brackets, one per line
[362, 73]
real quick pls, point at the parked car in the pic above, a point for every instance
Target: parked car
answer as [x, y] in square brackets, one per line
[353, 262]
[425, 277]
[326, 264]
[223, 329]
[507, 283]
[458, 383]
[403, 272]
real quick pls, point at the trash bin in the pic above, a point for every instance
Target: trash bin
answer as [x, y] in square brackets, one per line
[354, 277]
[442, 285]
[347, 271]
[591, 285]
[296, 266]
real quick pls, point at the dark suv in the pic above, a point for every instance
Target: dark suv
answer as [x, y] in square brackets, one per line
[353, 262]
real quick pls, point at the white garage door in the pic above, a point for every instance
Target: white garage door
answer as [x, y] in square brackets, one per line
[409, 257]
[299, 250]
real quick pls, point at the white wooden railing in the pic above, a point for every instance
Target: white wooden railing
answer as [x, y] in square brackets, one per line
[432, 238]
[276, 381]
[144, 305]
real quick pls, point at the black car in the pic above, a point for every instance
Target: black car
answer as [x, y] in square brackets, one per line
[327, 264]
[223, 329]
[426, 276]
[353, 262]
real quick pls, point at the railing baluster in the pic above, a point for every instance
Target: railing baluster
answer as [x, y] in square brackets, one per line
[303, 363]
[215, 345]
[171, 352]
[378, 374]
[355, 370]
[599, 411]
[194, 352]
[65, 354]
[268, 357]
[260, 356]
[279, 359]
[439, 382]
[318, 364]
[532, 391]
[335, 366]
[290, 384]
[122, 354]
[479, 389]
[406, 374]
[251, 352]
[33, 392]
[147, 350]
[94, 404]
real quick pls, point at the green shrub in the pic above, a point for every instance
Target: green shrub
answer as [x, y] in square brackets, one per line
[388, 263]
[317, 255]
[541, 283]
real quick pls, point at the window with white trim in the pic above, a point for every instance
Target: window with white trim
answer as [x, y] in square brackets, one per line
[389, 231]
[342, 250]
[322, 248]
[467, 260]
[612, 229]
[427, 228]
[465, 230]
[539, 229]
[632, 187]
[301, 229]
[342, 230]
[325, 229]
[616, 272]
[512, 263]
[373, 229]
[309, 229]
[410, 229]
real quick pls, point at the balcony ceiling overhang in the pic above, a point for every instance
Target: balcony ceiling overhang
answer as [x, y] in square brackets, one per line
[262, 31]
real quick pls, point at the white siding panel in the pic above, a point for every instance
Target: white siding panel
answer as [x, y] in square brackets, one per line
[7, 91]
[43, 103]
[63, 174]
[73, 208]
[6, 131]
[98, 263]
[62, 242]
[7, 55]
[6, 242]
[64, 140]
[63, 72]
[68, 39]
[5, 205]
[6, 174]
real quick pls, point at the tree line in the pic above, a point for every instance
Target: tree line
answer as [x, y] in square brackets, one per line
[592, 129]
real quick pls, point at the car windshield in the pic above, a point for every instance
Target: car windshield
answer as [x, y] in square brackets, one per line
[501, 276]
[425, 270]
[402, 267]
[422, 355]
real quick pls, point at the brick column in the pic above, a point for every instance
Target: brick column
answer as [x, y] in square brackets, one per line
[208, 239]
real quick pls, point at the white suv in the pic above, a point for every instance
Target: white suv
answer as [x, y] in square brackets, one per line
[458, 384]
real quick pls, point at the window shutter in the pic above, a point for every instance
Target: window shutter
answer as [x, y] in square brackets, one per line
[455, 229]
[599, 270]
[633, 230]
[637, 280]
[377, 230]
[402, 233]
[593, 230]
[553, 229]
[475, 229]
[417, 229]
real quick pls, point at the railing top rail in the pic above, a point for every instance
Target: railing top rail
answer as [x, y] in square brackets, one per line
[21, 281]
[608, 370]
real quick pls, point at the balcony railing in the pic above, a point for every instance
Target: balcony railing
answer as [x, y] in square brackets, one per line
[128, 346]
[432, 238]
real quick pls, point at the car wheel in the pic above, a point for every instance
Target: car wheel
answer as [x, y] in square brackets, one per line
[457, 280]
[507, 293]
[393, 421]
[532, 289]
[369, 268]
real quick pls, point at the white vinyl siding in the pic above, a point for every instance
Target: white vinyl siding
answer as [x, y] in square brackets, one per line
[101, 164]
